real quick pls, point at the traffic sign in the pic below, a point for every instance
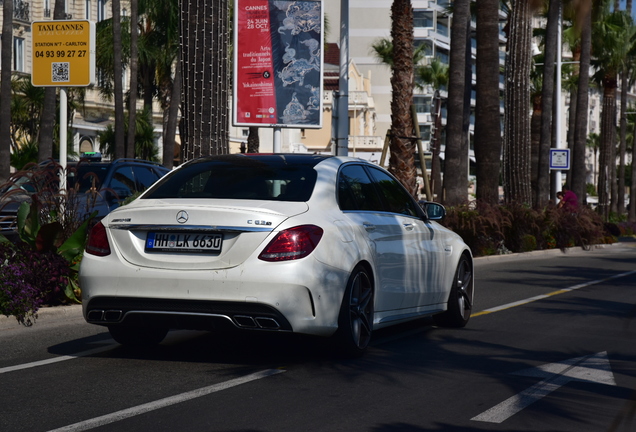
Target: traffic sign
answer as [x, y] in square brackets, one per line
[63, 53]
[559, 159]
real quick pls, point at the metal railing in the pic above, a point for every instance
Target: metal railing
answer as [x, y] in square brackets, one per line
[21, 10]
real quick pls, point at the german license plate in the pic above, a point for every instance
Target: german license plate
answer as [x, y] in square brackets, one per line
[183, 242]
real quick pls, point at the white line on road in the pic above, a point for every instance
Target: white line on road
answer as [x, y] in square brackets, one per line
[162, 403]
[540, 297]
[592, 368]
[55, 359]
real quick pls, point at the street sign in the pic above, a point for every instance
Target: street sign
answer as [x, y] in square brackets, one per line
[63, 53]
[278, 63]
[559, 159]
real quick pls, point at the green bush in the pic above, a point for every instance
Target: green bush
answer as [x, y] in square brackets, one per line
[496, 229]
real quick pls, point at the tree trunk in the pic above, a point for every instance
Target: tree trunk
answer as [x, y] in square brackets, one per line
[134, 68]
[204, 62]
[620, 207]
[436, 144]
[608, 138]
[547, 102]
[632, 191]
[516, 147]
[402, 143]
[456, 154]
[535, 145]
[253, 140]
[578, 172]
[5, 89]
[487, 115]
[49, 106]
[170, 131]
[120, 137]
[632, 196]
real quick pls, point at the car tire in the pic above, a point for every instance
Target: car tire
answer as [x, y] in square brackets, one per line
[460, 300]
[141, 337]
[355, 322]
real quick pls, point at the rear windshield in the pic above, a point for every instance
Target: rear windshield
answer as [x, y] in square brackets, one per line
[271, 178]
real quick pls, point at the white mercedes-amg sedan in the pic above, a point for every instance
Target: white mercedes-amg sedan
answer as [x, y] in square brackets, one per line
[313, 244]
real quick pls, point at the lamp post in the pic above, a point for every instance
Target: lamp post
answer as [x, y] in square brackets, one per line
[342, 131]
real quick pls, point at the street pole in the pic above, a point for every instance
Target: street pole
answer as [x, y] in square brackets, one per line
[558, 110]
[342, 145]
[277, 139]
[63, 137]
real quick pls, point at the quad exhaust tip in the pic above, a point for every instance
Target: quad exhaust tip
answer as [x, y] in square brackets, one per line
[102, 315]
[245, 321]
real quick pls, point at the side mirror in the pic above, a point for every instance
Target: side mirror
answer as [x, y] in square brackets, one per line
[434, 211]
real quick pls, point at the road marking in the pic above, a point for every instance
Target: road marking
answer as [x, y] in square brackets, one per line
[108, 347]
[593, 368]
[162, 403]
[540, 297]
[56, 359]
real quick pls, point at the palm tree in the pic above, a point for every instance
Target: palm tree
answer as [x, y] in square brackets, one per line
[516, 141]
[253, 140]
[204, 62]
[145, 147]
[487, 114]
[625, 82]
[5, 89]
[26, 111]
[134, 66]
[614, 36]
[594, 142]
[547, 103]
[163, 18]
[435, 75]
[402, 146]
[583, 21]
[120, 144]
[456, 154]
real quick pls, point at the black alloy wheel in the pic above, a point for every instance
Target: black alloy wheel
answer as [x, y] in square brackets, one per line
[460, 300]
[355, 324]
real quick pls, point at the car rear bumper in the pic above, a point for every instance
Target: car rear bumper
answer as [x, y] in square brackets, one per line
[268, 296]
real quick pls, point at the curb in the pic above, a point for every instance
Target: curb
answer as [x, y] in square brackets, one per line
[49, 314]
[546, 253]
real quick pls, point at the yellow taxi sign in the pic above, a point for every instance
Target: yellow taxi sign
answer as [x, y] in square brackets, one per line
[63, 53]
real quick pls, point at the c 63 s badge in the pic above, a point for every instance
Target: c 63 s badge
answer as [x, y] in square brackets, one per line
[258, 222]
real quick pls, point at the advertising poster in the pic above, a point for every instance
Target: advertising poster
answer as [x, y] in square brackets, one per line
[278, 63]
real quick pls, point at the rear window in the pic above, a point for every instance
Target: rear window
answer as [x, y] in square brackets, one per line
[236, 177]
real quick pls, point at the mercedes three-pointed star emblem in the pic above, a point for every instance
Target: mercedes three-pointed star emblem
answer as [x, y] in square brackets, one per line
[182, 217]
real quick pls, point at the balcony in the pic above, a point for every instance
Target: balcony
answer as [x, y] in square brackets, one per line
[21, 11]
[359, 142]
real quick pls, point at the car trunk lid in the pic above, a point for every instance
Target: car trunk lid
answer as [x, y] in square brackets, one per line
[195, 234]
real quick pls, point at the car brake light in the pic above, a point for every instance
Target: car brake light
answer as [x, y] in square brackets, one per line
[98, 241]
[293, 243]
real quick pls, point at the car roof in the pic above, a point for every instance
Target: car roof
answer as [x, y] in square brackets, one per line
[291, 158]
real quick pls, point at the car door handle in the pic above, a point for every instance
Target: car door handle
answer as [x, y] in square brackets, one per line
[369, 227]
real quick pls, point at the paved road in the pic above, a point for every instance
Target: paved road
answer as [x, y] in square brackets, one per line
[550, 348]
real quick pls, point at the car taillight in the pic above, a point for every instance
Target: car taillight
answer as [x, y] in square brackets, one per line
[98, 241]
[293, 243]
